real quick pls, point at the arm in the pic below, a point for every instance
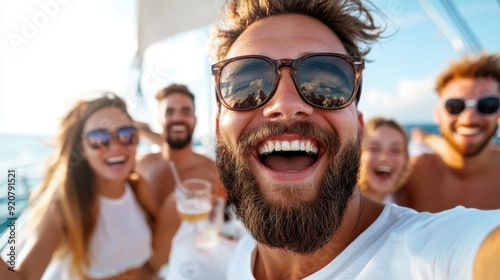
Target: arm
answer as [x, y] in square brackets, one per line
[167, 225]
[146, 132]
[37, 252]
[487, 263]
[144, 195]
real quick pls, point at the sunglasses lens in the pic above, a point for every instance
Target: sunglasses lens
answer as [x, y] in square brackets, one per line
[454, 106]
[98, 138]
[246, 83]
[127, 135]
[326, 81]
[488, 105]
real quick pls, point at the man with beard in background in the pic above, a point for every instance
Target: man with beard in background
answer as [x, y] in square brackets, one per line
[289, 163]
[177, 117]
[462, 170]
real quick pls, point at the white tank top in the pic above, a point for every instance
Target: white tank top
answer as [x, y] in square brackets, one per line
[122, 240]
[122, 237]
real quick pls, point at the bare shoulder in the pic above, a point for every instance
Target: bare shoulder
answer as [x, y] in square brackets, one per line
[495, 154]
[204, 162]
[424, 168]
[148, 160]
[425, 161]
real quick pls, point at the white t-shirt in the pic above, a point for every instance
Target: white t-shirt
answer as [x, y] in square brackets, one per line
[400, 244]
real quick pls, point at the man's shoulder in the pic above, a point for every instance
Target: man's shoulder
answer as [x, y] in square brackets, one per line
[148, 159]
[426, 167]
[203, 160]
[423, 161]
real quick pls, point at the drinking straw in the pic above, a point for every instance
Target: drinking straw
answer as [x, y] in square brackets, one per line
[176, 175]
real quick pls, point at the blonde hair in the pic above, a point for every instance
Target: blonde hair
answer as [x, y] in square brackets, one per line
[68, 182]
[482, 66]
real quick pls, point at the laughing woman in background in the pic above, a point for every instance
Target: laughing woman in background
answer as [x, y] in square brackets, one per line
[384, 160]
[90, 218]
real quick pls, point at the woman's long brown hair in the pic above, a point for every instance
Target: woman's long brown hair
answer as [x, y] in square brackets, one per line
[67, 183]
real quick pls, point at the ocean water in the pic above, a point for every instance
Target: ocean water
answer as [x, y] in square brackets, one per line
[26, 154]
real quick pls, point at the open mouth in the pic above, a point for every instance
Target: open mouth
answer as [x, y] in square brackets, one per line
[178, 128]
[116, 160]
[468, 131]
[383, 171]
[288, 156]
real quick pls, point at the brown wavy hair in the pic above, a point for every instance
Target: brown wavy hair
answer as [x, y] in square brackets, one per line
[351, 20]
[482, 66]
[68, 182]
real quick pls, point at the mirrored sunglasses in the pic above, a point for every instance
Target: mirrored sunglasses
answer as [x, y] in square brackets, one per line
[327, 81]
[125, 135]
[485, 105]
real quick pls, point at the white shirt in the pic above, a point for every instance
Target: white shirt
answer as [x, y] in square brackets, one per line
[400, 244]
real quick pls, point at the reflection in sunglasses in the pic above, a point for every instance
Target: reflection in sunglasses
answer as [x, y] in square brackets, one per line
[323, 80]
[126, 136]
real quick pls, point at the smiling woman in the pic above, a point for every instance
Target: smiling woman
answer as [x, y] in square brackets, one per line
[384, 160]
[90, 202]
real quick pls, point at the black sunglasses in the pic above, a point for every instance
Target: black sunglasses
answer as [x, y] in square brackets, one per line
[126, 135]
[328, 81]
[485, 105]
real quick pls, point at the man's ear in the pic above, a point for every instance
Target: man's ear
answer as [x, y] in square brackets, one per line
[217, 124]
[361, 125]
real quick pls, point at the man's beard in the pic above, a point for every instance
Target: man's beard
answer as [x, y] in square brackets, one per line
[178, 144]
[301, 227]
[468, 152]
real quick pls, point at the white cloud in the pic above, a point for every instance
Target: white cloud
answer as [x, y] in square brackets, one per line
[413, 102]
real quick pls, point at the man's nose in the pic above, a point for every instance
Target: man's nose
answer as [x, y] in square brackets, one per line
[286, 103]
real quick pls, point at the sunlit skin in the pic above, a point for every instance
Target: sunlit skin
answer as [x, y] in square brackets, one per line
[383, 160]
[463, 171]
[286, 105]
[290, 36]
[177, 116]
[109, 178]
[469, 131]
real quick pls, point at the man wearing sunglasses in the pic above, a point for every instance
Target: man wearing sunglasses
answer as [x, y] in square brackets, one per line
[288, 81]
[463, 170]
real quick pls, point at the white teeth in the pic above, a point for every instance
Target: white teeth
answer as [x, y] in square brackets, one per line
[295, 145]
[383, 168]
[314, 150]
[270, 147]
[178, 128]
[285, 146]
[468, 130]
[115, 159]
[302, 146]
[277, 147]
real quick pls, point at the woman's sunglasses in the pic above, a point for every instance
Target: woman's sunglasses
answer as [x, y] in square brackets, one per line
[485, 105]
[327, 81]
[126, 135]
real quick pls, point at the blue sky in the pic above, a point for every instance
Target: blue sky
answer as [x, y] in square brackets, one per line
[83, 45]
